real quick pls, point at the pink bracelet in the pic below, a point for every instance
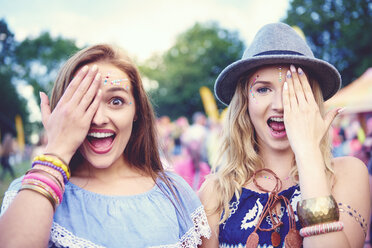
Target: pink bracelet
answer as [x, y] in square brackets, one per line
[321, 229]
[44, 186]
[47, 181]
[50, 171]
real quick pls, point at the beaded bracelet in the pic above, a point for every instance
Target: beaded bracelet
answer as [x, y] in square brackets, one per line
[317, 210]
[55, 161]
[54, 155]
[357, 216]
[321, 229]
[65, 178]
[55, 190]
[41, 191]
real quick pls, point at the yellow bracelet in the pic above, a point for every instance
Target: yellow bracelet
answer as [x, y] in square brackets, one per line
[55, 161]
[318, 210]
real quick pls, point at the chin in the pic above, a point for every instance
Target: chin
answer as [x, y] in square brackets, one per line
[98, 163]
[281, 147]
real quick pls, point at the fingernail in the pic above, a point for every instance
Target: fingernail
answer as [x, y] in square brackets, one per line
[293, 69]
[285, 85]
[94, 68]
[340, 110]
[289, 75]
[300, 71]
[98, 76]
[85, 68]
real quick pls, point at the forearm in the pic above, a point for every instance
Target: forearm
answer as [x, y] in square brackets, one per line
[312, 174]
[27, 221]
[314, 183]
[333, 239]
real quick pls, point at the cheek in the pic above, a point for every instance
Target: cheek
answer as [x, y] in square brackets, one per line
[124, 123]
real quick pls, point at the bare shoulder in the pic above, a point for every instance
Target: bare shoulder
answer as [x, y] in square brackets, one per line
[351, 177]
[351, 191]
[208, 196]
[349, 169]
[207, 192]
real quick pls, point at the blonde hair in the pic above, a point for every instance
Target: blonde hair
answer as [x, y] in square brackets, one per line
[239, 151]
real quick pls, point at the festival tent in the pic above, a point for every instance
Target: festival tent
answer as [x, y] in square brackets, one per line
[355, 97]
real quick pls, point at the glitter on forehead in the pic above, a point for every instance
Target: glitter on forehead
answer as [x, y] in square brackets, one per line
[116, 81]
[280, 74]
[106, 78]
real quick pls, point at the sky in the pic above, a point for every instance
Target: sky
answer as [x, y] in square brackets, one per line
[141, 27]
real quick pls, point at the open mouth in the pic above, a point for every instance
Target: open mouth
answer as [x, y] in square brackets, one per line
[101, 141]
[277, 127]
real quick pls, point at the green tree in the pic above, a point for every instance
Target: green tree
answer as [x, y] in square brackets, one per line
[338, 31]
[11, 104]
[197, 57]
[39, 59]
[37, 62]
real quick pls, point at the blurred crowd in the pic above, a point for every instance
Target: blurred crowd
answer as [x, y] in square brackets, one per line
[352, 136]
[190, 148]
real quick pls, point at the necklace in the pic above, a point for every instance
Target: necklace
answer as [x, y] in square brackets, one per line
[271, 178]
[293, 238]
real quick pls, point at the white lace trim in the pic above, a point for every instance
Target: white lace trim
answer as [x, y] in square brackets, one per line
[61, 237]
[8, 198]
[192, 238]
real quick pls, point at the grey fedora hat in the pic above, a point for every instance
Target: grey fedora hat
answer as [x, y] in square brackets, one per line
[277, 43]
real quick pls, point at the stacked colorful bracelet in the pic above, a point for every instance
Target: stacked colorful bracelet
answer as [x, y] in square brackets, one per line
[55, 163]
[319, 215]
[47, 177]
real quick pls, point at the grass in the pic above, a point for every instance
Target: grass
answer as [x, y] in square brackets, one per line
[19, 170]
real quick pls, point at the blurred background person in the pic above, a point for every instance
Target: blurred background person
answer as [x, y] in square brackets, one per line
[6, 152]
[40, 146]
[192, 167]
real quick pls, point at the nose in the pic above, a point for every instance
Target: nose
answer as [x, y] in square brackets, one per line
[100, 118]
[277, 103]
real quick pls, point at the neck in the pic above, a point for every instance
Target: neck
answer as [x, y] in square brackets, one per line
[280, 162]
[119, 170]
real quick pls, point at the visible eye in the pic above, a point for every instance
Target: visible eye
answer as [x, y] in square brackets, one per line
[263, 90]
[116, 101]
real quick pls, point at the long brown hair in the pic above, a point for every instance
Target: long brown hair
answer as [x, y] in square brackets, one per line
[142, 150]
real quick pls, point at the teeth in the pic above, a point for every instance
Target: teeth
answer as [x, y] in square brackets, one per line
[277, 119]
[100, 135]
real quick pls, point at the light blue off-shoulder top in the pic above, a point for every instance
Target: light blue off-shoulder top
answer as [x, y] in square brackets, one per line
[152, 219]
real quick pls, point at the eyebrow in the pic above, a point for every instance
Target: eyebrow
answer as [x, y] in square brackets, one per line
[260, 81]
[113, 89]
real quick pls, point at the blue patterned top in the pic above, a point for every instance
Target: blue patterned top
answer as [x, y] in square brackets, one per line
[245, 213]
[87, 219]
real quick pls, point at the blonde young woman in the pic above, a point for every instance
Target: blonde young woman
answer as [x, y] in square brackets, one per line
[100, 182]
[276, 184]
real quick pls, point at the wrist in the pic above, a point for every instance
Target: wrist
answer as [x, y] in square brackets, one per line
[65, 157]
[308, 153]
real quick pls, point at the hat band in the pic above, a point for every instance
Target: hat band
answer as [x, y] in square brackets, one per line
[279, 52]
